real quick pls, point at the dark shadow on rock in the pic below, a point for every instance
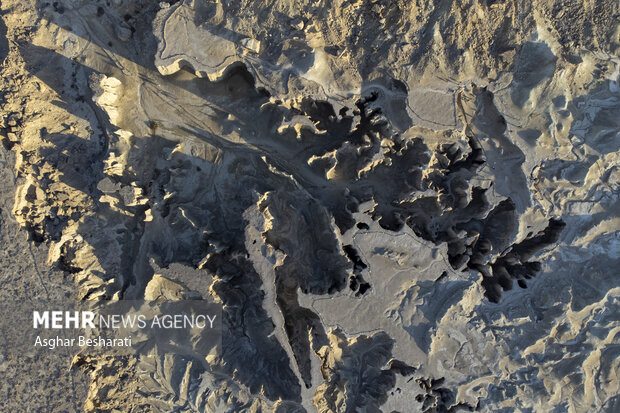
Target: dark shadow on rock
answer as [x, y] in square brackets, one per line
[359, 374]
[515, 264]
[437, 398]
[4, 43]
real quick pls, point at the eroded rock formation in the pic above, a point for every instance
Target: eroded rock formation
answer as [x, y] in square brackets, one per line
[402, 206]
